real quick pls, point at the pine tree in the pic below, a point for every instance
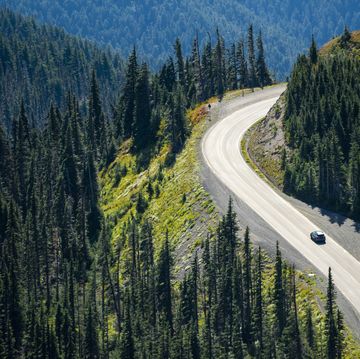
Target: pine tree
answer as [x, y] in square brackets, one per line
[91, 342]
[164, 296]
[331, 330]
[340, 334]
[194, 293]
[6, 170]
[127, 350]
[296, 336]
[243, 68]
[90, 192]
[232, 80]
[247, 284]
[177, 123]
[258, 306]
[197, 72]
[253, 81]
[69, 166]
[96, 120]
[309, 328]
[219, 55]
[128, 94]
[208, 70]
[180, 69]
[345, 38]
[142, 116]
[10, 292]
[167, 76]
[21, 153]
[238, 310]
[261, 68]
[279, 294]
[313, 52]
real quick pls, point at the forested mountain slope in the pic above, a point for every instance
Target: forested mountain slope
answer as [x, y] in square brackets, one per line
[309, 142]
[40, 64]
[153, 25]
[322, 126]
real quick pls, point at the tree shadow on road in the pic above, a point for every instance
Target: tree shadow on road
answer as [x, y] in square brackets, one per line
[337, 218]
[333, 217]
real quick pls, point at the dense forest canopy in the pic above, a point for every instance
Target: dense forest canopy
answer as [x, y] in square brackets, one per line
[153, 25]
[322, 123]
[40, 64]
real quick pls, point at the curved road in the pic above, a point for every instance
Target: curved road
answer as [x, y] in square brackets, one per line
[221, 151]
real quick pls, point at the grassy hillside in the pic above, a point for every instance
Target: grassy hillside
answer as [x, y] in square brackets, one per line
[153, 25]
[178, 202]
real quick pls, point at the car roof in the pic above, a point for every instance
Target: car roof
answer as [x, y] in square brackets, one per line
[319, 233]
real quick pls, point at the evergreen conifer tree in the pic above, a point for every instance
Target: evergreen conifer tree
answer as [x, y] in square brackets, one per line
[252, 59]
[313, 52]
[261, 67]
[331, 330]
[142, 116]
[128, 95]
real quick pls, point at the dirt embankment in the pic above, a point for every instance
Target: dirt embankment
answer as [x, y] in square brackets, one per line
[265, 144]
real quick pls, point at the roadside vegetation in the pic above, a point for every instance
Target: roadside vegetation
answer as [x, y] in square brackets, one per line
[169, 195]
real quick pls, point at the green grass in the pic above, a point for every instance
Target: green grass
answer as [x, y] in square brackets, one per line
[187, 220]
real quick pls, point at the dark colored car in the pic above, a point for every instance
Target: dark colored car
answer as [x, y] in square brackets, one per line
[318, 237]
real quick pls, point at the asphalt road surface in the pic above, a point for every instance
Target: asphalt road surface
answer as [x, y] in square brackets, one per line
[222, 154]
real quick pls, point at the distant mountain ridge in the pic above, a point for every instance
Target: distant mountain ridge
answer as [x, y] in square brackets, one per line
[153, 25]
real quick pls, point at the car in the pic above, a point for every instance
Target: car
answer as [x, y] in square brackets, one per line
[318, 237]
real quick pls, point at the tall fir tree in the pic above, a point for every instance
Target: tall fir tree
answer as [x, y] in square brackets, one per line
[128, 95]
[262, 71]
[252, 58]
[180, 68]
[142, 115]
[243, 67]
[331, 330]
[313, 52]
[279, 294]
